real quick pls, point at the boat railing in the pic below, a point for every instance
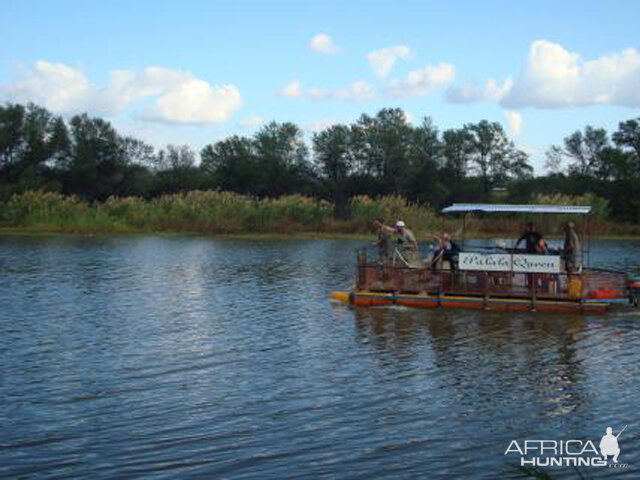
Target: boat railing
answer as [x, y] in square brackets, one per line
[588, 284]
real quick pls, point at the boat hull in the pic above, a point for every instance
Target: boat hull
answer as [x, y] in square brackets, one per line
[382, 299]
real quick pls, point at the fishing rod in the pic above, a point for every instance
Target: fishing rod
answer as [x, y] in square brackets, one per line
[625, 427]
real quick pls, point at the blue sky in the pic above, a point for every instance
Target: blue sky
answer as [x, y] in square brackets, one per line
[194, 72]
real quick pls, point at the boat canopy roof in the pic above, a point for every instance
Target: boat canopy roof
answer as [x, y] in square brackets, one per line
[504, 208]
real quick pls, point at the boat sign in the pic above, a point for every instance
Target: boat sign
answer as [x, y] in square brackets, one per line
[502, 262]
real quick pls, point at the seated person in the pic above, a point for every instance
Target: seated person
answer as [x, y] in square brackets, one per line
[447, 250]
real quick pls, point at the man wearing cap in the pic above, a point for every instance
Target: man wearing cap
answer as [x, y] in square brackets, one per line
[407, 244]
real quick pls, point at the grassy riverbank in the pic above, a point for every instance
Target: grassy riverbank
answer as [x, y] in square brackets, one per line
[224, 213]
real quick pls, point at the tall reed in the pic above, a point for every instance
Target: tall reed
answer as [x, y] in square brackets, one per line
[218, 212]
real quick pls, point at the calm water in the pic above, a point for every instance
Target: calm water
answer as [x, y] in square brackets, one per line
[190, 357]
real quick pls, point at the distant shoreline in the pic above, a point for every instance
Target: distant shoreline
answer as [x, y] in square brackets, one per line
[7, 232]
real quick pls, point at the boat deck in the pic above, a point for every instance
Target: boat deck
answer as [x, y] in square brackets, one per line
[589, 284]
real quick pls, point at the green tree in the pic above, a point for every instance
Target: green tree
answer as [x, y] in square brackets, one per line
[614, 164]
[31, 142]
[457, 148]
[628, 136]
[60, 141]
[519, 166]
[422, 180]
[282, 159]
[11, 134]
[231, 164]
[493, 156]
[583, 149]
[381, 148]
[334, 156]
[176, 170]
[134, 151]
[96, 165]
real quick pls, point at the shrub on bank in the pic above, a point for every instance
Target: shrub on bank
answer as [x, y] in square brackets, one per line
[231, 213]
[196, 211]
[43, 210]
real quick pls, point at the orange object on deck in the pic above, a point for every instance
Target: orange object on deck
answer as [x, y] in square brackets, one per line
[604, 293]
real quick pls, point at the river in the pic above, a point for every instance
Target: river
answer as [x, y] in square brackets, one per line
[192, 357]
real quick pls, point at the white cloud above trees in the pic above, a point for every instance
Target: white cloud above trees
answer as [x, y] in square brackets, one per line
[383, 60]
[515, 124]
[355, 91]
[176, 96]
[293, 89]
[55, 86]
[416, 83]
[423, 81]
[251, 122]
[472, 92]
[323, 43]
[317, 126]
[554, 77]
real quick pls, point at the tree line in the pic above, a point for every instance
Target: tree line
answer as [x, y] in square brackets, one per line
[376, 155]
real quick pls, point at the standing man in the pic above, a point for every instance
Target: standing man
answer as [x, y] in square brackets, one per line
[571, 251]
[383, 231]
[407, 244]
[531, 237]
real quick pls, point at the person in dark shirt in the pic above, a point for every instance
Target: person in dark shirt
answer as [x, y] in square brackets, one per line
[447, 250]
[531, 237]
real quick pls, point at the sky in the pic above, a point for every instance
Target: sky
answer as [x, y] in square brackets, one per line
[195, 72]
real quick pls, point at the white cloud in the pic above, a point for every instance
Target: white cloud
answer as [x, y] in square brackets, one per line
[196, 102]
[359, 90]
[422, 82]
[126, 87]
[158, 135]
[383, 60]
[252, 122]
[317, 93]
[554, 77]
[355, 91]
[471, 92]
[179, 96]
[316, 126]
[54, 86]
[323, 43]
[514, 122]
[293, 89]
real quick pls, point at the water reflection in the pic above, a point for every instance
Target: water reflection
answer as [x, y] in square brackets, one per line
[485, 359]
[192, 357]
